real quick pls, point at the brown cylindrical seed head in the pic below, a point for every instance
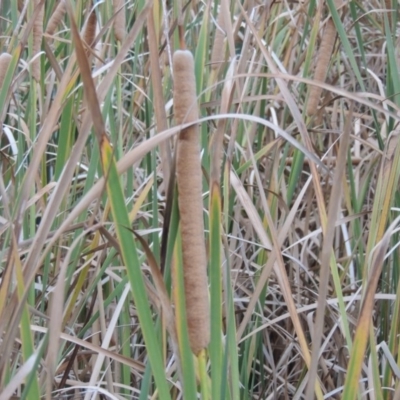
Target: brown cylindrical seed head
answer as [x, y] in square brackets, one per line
[189, 180]
[37, 30]
[5, 59]
[321, 69]
[218, 49]
[185, 100]
[90, 29]
[119, 21]
[56, 18]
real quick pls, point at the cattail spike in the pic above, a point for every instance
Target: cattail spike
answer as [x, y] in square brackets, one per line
[189, 180]
[321, 69]
[37, 39]
[90, 29]
[218, 49]
[5, 59]
[185, 99]
[56, 18]
[119, 20]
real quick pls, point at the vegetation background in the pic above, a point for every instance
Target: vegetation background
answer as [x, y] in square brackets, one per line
[298, 109]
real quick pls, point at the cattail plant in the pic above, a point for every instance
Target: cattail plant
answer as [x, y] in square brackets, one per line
[56, 18]
[119, 20]
[321, 69]
[90, 28]
[189, 180]
[5, 59]
[218, 49]
[37, 39]
[324, 55]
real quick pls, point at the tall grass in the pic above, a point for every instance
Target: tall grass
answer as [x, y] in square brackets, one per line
[293, 200]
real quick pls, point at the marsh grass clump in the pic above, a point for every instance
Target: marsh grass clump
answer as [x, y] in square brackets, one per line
[292, 288]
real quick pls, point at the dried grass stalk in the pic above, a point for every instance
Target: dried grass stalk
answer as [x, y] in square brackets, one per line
[5, 59]
[56, 18]
[218, 49]
[90, 29]
[119, 21]
[189, 179]
[37, 39]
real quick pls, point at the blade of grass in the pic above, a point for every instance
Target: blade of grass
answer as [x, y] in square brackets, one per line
[345, 42]
[215, 347]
